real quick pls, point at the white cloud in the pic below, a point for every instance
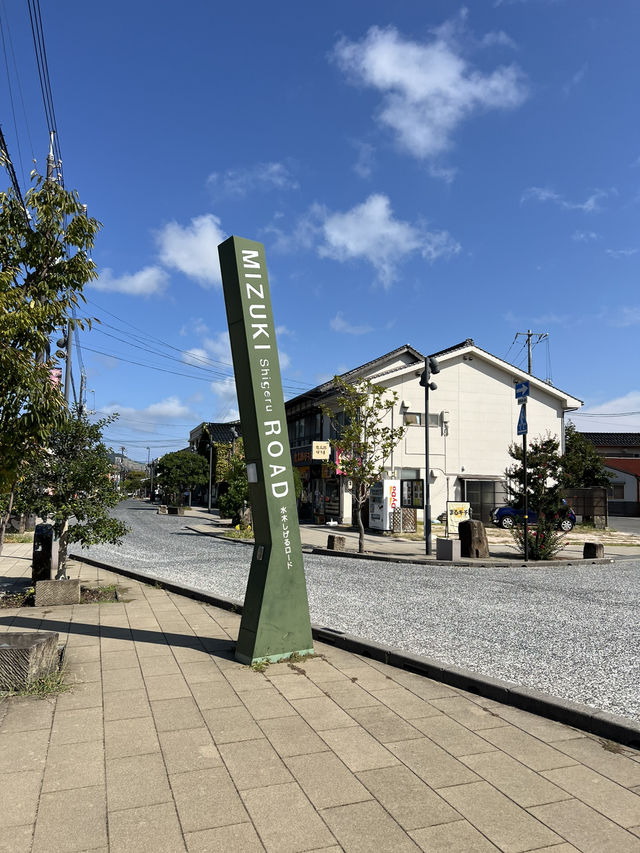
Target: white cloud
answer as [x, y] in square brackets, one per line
[629, 402]
[428, 88]
[218, 347]
[625, 315]
[193, 249]
[263, 176]
[542, 194]
[498, 39]
[585, 236]
[225, 391]
[366, 161]
[145, 420]
[369, 232]
[575, 80]
[195, 355]
[170, 407]
[284, 360]
[339, 324]
[621, 253]
[146, 282]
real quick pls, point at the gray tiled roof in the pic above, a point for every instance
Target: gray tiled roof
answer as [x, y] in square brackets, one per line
[613, 439]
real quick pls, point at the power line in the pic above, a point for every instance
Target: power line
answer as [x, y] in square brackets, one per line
[603, 414]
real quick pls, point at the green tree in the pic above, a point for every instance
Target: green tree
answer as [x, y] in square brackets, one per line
[236, 495]
[181, 472]
[44, 265]
[362, 436]
[544, 470]
[72, 479]
[134, 481]
[582, 465]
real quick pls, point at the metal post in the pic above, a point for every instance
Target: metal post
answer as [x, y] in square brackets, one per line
[210, 475]
[427, 490]
[526, 499]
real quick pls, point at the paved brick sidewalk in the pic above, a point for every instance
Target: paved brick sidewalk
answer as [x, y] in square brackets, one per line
[165, 743]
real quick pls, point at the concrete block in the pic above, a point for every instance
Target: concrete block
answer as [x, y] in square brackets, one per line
[592, 550]
[336, 543]
[175, 510]
[162, 509]
[50, 593]
[448, 549]
[26, 657]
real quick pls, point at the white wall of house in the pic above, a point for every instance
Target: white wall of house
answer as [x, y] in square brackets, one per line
[471, 441]
[628, 481]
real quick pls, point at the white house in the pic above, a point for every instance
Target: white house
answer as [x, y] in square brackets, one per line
[473, 418]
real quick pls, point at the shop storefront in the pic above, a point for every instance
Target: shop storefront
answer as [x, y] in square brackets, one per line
[320, 497]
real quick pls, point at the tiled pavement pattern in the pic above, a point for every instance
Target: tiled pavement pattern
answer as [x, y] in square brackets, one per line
[165, 743]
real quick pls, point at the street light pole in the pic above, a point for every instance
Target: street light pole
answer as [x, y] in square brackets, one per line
[210, 475]
[430, 366]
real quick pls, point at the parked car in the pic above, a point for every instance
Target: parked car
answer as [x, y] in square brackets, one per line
[506, 517]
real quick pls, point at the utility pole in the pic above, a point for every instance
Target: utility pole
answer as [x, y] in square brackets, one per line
[529, 335]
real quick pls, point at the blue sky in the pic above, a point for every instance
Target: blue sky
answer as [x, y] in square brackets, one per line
[418, 172]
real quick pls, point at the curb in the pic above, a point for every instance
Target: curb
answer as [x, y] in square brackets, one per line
[424, 561]
[601, 723]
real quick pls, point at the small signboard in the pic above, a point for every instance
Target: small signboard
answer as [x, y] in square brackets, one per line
[522, 389]
[457, 511]
[320, 450]
[412, 494]
[522, 421]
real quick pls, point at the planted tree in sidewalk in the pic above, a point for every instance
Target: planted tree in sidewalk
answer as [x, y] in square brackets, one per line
[72, 481]
[181, 472]
[364, 438]
[544, 495]
[44, 265]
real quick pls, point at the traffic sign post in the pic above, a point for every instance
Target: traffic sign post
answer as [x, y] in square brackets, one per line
[522, 392]
[522, 420]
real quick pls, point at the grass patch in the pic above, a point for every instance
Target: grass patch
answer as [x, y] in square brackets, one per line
[99, 594]
[88, 595]
[25, 598]
[247, 533]
[18, 537]
[51, 685]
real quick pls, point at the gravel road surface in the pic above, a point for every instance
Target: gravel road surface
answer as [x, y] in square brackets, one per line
[571, 632]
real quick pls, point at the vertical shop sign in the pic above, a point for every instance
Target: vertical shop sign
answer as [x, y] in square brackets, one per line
[275, 620]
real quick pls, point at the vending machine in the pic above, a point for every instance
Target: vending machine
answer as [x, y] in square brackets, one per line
[384, 497]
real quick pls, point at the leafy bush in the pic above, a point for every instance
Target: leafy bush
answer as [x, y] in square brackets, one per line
[544, 539]
[231, 503]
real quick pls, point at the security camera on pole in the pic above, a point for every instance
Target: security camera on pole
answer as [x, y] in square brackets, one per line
[430, 366]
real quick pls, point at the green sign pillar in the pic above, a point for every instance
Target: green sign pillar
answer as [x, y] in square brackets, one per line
[275, 619]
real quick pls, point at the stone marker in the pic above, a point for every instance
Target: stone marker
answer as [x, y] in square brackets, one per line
[175, 510]
[26, 657]
[50, 593]
[162, 509]
[592, 550]
[336, 543]
[473, 540]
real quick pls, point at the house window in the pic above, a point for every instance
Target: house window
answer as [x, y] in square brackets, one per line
[413, 418]
[616, 492]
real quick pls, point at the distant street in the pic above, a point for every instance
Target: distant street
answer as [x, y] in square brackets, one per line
[572, 632]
